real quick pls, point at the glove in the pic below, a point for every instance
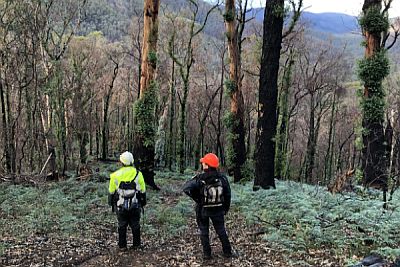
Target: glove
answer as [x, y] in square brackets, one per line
[142, 199]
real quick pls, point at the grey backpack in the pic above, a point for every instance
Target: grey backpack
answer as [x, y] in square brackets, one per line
[128, 195]
[213, 192]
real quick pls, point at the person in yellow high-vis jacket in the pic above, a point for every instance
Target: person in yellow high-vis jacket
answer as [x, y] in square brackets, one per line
[127, 192]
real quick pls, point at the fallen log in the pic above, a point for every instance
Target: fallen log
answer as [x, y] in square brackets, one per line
[23, 179]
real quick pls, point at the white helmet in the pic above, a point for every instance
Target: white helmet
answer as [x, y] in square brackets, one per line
[126, 158]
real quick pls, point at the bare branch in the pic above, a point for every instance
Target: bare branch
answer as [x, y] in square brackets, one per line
[296, 16]
[396, 35]
[396, 31]
[387, 4]
[205, 20]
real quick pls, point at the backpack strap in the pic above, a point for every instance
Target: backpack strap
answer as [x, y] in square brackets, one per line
[136, 179]
[128, 195]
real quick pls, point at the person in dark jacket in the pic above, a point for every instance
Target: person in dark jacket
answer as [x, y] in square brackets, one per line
[212, 194]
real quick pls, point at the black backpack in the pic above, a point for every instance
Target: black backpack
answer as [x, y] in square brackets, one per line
[212, 192]
[128, 195]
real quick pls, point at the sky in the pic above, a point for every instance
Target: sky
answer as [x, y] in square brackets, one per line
[350, 7]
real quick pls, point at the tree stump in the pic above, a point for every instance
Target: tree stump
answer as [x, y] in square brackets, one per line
[341, 182]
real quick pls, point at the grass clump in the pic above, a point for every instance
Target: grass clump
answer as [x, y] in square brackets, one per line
[167, 218]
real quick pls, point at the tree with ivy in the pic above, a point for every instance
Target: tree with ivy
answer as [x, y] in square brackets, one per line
[237, 149]
[146, 104]
[282, 135]
[372, 70]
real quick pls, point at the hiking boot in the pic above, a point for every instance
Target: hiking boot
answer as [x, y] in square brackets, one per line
[230, 255]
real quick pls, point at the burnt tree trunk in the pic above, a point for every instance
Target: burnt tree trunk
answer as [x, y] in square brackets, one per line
[171, 135]
[5, 125]
[283, 119]
[331, 141]
[145, 113]
[388, 151]
[218, 127]
[388, 144]
[268, 93]
[395, 157]
[107, 99]
[237, 155]
[311, 143]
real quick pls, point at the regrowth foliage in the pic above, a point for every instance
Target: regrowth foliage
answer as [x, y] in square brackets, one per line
[373, 21]
[145, 114]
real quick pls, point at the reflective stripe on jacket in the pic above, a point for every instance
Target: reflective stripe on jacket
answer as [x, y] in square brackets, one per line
[126, 174]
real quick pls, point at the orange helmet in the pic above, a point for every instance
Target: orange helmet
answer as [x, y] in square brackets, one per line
[211, 160]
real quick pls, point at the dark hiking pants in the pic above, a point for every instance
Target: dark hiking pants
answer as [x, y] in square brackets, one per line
[218, 221]
[131, 218]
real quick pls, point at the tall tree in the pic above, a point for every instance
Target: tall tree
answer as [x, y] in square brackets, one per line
[172, 104]
[106, 105]
[268, 94]
[267, 123]
[282, 136]
[146, 104]
[373, 68]
[237, 151]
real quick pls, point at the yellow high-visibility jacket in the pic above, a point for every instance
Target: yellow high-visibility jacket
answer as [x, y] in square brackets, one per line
[126, 174]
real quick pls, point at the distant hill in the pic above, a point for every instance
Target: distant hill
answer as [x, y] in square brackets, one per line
[333, 23]
[113, 17]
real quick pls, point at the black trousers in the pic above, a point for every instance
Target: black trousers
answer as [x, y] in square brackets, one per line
[218, 221]
[131, 218]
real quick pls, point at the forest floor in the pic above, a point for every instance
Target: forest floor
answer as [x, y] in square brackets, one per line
[181, 248]
[68, 223]
[185, 249]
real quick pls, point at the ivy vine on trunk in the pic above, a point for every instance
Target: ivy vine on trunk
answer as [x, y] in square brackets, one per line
[372, 70]
[146, 104]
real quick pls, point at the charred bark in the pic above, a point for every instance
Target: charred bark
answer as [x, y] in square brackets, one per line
[268, 94]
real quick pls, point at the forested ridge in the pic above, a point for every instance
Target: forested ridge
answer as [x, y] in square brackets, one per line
[305, 124]
[114, 17]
